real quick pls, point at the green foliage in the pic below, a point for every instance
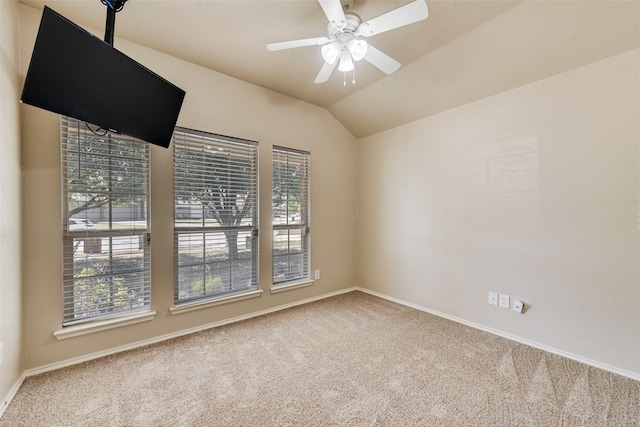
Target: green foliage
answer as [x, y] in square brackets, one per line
[222, 184]
[288, 189]
[287, 183]
[101, 170]
[287, 209]
[97, 294]
[198, 288]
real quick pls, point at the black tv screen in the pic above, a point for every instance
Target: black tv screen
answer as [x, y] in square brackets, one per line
[74, 73]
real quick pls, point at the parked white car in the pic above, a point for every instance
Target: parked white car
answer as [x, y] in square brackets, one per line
[80, 224]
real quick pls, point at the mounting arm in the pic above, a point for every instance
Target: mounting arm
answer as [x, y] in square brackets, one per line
[113, 6]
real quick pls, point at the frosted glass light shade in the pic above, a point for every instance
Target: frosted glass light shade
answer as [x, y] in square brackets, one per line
[330, 52]
[358, 49]
[346, 62]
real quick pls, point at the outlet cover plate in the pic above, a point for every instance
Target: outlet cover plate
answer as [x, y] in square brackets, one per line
[503, 300]
[493, 298]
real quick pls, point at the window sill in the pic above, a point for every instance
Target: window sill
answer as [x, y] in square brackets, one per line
[187, 307]
[103, 325]
[291, 285]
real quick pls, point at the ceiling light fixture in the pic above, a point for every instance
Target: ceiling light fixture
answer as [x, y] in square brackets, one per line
[343, 45]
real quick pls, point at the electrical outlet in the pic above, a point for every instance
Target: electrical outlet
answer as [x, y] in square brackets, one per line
[316, 274]
[503, 300]
[493, 298]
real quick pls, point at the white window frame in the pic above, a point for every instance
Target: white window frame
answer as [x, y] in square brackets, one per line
[114, 259]
[291, 260]
[203, 228]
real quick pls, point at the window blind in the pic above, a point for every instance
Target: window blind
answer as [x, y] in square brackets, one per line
[216, 222]
[105, 191]
[290, 215]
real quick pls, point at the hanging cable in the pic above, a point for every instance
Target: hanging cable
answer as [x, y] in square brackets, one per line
[115, 5]
[95, 132]
[78, 152]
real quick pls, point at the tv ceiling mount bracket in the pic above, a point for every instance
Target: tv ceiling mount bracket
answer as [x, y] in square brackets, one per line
[113, 6]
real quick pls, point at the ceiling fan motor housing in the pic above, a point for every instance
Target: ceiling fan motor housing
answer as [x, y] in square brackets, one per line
[348, 33]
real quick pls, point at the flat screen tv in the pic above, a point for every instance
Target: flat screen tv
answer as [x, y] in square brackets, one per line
[74, 73]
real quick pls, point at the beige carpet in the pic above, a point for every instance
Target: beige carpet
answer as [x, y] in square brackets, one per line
[351, 360]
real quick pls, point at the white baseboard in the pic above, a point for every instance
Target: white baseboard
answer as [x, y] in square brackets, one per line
[534, 344]
[11, 394]
[138, 344]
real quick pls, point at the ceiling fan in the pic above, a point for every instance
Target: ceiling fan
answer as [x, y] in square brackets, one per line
[343, 45]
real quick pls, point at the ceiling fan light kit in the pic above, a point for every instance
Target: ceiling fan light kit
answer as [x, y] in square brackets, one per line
[343, 45]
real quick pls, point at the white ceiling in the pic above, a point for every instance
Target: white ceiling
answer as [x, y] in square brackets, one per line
[464, 51]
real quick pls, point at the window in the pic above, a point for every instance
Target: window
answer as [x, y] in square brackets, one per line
[216, 224]
[290, 210]
[105, 191]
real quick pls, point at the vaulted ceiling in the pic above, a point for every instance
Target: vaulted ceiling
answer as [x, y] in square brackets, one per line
[464, 51]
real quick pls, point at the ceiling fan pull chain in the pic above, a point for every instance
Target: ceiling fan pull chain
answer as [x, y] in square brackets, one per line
[344, 79]
[354, 76]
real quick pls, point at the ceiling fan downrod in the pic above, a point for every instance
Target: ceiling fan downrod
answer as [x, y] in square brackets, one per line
[113, 6]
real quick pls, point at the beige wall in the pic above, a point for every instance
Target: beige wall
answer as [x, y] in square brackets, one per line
[214, 103]
[10, 298]
[533, 193]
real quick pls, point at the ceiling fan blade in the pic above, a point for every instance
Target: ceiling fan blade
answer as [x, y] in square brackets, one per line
[334, 12]
[381, 60]
[325, 72]
[316, 41]
[408, 14]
